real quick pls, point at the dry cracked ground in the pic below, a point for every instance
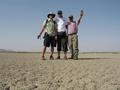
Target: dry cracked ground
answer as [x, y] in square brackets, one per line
[93, 71]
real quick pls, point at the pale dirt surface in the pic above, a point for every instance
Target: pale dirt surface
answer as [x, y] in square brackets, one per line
[93, 71]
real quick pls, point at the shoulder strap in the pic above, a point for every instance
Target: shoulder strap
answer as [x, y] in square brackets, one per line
[46, 22]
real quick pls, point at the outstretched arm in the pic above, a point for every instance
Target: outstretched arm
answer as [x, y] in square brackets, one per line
[41, 32]
[43, 28]
[80, 17]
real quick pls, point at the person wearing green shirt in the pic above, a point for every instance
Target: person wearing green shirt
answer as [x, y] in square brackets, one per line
[50, 28]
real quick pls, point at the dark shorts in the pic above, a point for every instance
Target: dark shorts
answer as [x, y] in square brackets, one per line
[62, 41]
[49, 41]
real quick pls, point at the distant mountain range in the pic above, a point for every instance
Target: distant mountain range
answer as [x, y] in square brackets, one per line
[4, 50]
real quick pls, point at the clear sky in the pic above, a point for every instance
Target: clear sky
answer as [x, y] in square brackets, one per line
[20, 23]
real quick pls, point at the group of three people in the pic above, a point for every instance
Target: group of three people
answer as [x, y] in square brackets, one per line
[60, 32]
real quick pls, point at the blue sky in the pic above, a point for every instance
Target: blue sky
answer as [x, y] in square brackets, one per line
[21, 20]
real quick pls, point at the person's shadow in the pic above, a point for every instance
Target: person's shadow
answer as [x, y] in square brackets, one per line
[91, 58]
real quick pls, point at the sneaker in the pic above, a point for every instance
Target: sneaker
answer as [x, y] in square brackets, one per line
[51, 58]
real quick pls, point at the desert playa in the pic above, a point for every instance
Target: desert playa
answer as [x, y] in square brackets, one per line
[93, 71]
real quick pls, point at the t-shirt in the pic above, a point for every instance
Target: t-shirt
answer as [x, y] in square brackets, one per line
[72, 28]
[50, 27]
[61, 23]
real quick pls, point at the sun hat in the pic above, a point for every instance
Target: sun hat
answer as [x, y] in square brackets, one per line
[51, 13]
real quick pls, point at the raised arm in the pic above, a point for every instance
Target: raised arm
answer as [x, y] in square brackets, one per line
[80, 17]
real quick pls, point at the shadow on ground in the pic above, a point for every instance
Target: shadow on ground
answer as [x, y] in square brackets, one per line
[91, 58]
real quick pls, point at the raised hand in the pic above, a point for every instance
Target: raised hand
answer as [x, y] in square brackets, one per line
[81, 13]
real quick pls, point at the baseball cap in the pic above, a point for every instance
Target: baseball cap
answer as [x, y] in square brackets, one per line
[59, 12]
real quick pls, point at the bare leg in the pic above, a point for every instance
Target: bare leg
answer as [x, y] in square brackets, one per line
[58, 55]
[52, 51]
[43, 53]
[65, 55]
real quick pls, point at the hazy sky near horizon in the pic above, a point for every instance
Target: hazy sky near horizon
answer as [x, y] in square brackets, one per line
[21, 20]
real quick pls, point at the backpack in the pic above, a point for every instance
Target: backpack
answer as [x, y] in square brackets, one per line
[47, 22]
[46, 34]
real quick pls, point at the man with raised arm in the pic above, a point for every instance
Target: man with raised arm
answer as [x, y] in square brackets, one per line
[72, 35]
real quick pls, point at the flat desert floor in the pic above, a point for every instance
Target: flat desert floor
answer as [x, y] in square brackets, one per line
[93, 71]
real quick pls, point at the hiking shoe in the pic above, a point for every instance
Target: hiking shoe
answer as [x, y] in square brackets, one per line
[70, 58]
[51, 58]
[75, 58]
[58, 57]
[65, 57]
[43, 58]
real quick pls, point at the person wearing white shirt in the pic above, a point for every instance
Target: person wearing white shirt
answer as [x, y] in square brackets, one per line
[62, 40]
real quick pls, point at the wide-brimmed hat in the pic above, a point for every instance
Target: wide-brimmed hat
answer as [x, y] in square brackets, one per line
[51, 14]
